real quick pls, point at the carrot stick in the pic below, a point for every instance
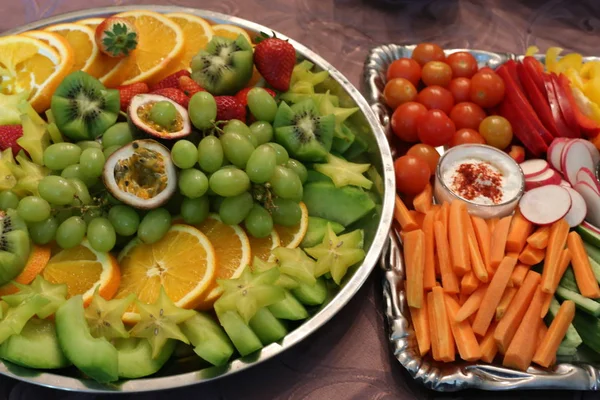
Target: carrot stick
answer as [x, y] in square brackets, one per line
[443, 214]
[493, 295]
[556, 242]
[432, 327]
[403, 217]
[498, 245]
[509, 324]
[476, 258]
[488, 345]
[418, 217]
[539, 239]
[547, 348]
[423, 201]
[586, 281]
[484, 239]
[467, 345]
[542, 330]
[519, 231]
[507, 297]
[523, 345]
[563, 264]
[445, 339]
[428, 230]
[421, 326]
[531, 255]
[414, 260]
[472, 304]
[457, 233]
[492, 222]
[469, 283]
[519, 273]
[449, 279]
[462, 297]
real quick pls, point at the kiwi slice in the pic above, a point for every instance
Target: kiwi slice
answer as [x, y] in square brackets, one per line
[83, 108]
[304, 133]
[14, 246]
[225, 66]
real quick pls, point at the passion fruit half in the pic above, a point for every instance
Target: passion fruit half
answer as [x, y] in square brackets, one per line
[141, 116]
[141, 174]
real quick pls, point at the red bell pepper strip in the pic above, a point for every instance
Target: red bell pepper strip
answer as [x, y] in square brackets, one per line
[523, 129]
[564, 130]
[535, 69]
[566, 108]
[538, 100]
[587, 125]
[511, 67]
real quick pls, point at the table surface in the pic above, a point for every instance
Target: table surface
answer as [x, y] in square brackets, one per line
[349, 358]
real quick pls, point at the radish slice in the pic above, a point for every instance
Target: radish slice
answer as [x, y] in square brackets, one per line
[591, 227]
[555, 152]
[534, 167]
[545, 205]
[575, 156]
[549, 177]
[592, 200]
[593, 150]
[578, 210]
[587, 176]
[564, 183]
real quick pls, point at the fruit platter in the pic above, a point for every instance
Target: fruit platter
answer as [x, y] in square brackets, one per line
[491, 272]
[183, 195]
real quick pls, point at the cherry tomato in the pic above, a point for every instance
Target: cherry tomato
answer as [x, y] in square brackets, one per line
[460, 89]
[463, 64]
[426, 153]
[487, 88]
[406, 68]
[399, 91]
[436, 73]
[496, 131]
[466, 135]
[425, 52]
[412, 174]
[436, 97]
[435, 128]
[467, 115]
[404, 121]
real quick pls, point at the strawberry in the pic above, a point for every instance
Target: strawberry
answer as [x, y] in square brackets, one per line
[116, 37]
[275, 59]
[171, 81]
[228, 107]
[242, 95]
[189, 86]
[174, 94]
[127, 93]
[8, 137]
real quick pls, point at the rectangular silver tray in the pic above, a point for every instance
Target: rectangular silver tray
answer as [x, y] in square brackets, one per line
[450, 377]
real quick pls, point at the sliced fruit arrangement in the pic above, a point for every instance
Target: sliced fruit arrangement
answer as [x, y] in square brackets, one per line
[158, 179]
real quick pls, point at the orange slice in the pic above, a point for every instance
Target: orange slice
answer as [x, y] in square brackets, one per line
[81, 39]
[230, 31]
[83, 269]
[197, 33]
[232, 249]
[262, 247]
[183, 262]
[160, 45]
[91, 22]
[38, 259]
[32, 66]
[291, 236]
[57, 42]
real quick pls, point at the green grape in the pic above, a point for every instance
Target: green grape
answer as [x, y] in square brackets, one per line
[258, 222]
[56, 190]
[192, 183]
[286, 212]
[124, 219]
[101, 235]
[261, 164]
[59, 156]
[286, 183]
[262, 131]
[202, 109]
[194, 211]
[33, 209]
[92, 214]
[82, 194]
[63, 215]
[234, 209]
[210, 154]
[91, 162]
[71, 232]
[237, 126]
[74, 171]
[184, 154]
[163, 113]
[228, 182]
[112, 199]
[8, 199]
[89, 144]
[109, 150]
[154, 225]
[117, 135]
[282, 154]
[43, 232]
[261, 104]
[298, 168]
[237, 148]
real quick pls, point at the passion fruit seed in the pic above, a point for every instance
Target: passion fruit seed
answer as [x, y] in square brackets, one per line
[142, 174]
[164, 114]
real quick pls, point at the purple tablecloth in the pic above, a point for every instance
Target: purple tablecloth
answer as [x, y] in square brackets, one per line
[349, 358]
